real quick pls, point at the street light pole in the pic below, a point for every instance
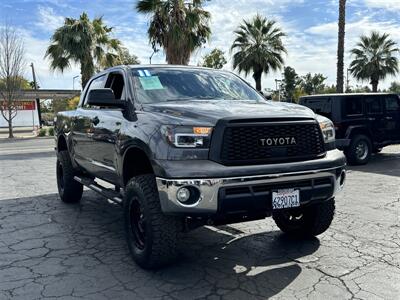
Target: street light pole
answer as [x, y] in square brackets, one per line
[348, 80]
[73, 81]
[151, 56]
[37, 99]
[278, 90]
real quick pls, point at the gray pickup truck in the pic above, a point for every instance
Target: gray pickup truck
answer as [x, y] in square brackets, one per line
[184, 147]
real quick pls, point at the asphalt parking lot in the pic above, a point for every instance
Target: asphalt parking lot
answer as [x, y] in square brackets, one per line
[50, 250]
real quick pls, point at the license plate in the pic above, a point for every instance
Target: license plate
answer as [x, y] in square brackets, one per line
[286, 198]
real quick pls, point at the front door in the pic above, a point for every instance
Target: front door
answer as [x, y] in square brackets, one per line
[106, 125]
[83, 127]
[392, 117]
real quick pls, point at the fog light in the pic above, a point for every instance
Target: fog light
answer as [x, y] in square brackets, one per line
[183, 194]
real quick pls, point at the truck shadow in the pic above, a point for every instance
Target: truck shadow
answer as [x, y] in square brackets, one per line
[87, 241]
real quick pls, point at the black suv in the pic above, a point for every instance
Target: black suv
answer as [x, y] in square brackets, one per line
[364, 123]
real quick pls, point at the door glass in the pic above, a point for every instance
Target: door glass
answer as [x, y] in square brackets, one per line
[97, 83]
[373, 105]
[116, 83]
[321, 106]
[392, 104]
[353, 106]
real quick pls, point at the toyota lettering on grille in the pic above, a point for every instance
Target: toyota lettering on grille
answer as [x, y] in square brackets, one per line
[278, 141]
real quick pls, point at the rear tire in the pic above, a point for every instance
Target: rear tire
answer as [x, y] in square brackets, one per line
[152, 236]
[309, 221]
[69, 189]
[359, 151]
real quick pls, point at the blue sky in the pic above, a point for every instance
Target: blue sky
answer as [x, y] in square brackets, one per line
[310, 25]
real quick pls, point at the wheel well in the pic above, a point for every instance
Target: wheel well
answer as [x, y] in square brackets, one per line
[357, 131]
[61, 144]
[136, 163]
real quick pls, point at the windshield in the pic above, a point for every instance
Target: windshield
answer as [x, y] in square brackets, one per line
[154, 85]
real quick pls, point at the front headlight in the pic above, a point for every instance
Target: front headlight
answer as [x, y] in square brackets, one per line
[327, 128]
[187, 136]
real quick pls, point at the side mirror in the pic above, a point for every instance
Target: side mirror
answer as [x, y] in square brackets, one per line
[104, 97]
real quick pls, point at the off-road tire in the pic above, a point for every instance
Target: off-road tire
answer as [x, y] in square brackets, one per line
[314, 219]
[351, 152]
[161, 232]
[69, 189]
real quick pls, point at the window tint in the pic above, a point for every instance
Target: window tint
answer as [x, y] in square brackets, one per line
[321, 106]
[116, 83]
[373, 105]
[392, 103]
[97, 83]
[353, 105]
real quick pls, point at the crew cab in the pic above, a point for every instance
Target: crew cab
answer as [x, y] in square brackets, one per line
[180, 147]
[364, 123]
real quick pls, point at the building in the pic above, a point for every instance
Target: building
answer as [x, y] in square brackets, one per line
[27, 115]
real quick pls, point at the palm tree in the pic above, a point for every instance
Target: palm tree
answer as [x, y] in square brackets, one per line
[375, 58]
[85, 42]
[258, 48]
[178, 26]
[340, 49]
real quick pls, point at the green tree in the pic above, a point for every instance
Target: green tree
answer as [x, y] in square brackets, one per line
[85, 42]
[125, 58]
[215, 59]
[178, 26]
[395, 87]
[374, 58]
[258, 48]
[313, 84]
[289, 82]
[340, 48]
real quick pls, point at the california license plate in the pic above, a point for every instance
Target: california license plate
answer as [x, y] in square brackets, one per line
[286, 198]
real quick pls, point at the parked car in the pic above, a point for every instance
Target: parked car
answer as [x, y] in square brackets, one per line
[189, 146]
[364, 123]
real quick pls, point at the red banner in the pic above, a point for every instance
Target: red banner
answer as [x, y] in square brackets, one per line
[20, 105]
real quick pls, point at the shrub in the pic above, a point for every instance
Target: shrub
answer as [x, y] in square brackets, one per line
[50, 131]
[42, 132]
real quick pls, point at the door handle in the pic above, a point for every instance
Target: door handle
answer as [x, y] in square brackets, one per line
[95, 120]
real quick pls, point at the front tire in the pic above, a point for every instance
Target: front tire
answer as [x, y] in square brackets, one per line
[309, 221]
[152, 236]
[69, 189]
[359, 151]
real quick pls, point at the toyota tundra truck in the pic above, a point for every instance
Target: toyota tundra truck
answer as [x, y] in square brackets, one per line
[180, 147]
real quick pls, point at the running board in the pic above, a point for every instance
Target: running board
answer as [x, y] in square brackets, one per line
[93, 185]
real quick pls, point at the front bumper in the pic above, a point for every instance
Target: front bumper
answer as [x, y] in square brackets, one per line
[248, 194]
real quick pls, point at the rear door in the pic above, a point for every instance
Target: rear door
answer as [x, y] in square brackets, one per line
[392, 117]
[375, 117]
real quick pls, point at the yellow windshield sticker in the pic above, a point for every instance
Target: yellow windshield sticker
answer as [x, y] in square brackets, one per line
[151, 83]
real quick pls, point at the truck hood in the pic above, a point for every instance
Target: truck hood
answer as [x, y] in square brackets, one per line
[208, 112]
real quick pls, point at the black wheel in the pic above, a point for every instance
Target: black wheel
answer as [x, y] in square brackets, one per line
[309, 221]
[359, 151]
[70, 190]
[151, 235]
